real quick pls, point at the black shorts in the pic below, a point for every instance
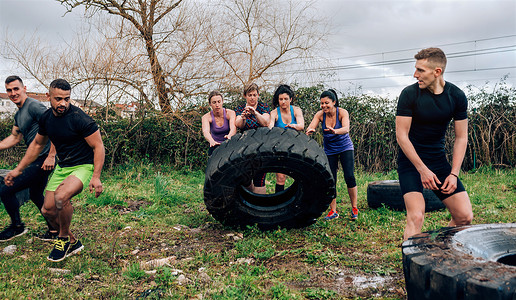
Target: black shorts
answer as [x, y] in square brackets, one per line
[410, 179]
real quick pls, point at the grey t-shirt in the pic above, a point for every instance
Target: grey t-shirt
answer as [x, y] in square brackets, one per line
[27, 118]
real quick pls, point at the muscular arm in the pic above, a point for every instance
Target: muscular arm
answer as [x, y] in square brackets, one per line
[12, 139]
[315, 122]
[240, 121]
[95, 142]
[263, 119]
[344, 120]
[273, 116]
[32, 153]
[206, 130]
[300, 120]
[50, 161]
[460, 145]
[428, 178]
[231, 115]
[459, 151]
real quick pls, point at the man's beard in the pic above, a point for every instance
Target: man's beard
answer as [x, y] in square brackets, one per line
[62, 112]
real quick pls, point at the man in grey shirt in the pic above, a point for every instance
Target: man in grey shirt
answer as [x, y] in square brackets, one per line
[35, 176]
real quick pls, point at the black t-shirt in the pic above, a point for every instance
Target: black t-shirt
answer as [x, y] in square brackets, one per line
[67, 133]
[431, 114]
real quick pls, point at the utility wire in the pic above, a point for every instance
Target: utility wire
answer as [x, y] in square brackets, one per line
[461, 54]
[417, 49]
[409, 75]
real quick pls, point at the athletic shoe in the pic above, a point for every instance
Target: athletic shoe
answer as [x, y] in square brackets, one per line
[75, 248]
[331, 215]
[354, 213]
[61, 246]
[12, 231]
[48, 236]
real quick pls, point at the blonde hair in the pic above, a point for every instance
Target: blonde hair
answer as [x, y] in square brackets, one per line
[251, 87]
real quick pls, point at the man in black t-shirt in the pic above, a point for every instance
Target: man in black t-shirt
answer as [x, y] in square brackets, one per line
[80, 154]
[422, 117]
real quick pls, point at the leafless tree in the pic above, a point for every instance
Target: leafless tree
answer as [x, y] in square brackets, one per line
[154, 23]
[97, 67]
[174, 50]
[253, 37]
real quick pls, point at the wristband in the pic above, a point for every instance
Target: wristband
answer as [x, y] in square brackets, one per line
[454, 175]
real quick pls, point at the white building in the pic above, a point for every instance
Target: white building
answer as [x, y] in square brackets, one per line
[7, 107]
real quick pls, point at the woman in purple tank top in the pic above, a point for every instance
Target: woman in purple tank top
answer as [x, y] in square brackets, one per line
[337, 146]
[218, 125]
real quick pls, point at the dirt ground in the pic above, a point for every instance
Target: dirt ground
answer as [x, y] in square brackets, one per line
[180, 245]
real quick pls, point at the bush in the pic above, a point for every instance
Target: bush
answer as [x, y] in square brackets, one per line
[176, 140]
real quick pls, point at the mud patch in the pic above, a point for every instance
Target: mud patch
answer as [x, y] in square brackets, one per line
[352, 285]
[132, 205]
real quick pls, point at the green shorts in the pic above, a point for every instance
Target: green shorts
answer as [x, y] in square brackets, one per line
[83, 172]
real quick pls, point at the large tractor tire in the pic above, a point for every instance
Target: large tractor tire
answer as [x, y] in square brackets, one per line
[234, 163]
[388, 193]
[22, 196]
[475, 262]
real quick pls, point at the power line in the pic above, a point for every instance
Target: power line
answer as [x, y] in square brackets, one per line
[416, 49]
[483, 80]
[461, 54]
[409, 75]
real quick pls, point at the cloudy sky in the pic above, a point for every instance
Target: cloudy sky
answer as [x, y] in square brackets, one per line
[372, 43]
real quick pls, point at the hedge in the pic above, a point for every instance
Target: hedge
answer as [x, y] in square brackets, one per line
[177, 140]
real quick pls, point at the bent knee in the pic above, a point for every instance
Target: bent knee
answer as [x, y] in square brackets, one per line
[47, 212]
[464, 219]
[350, 181]
[60, 200]
[416, 217]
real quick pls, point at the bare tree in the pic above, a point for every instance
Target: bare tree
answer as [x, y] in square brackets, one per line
[251, 38]
[99, 68]
[145, 16]
[173, 50]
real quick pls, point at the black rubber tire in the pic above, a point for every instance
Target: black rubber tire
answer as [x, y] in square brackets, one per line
[234, 163]
[23, 195]
[469, 262]
[388, 193]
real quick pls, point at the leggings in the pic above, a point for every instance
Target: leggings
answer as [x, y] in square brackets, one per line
[35, 179]
[348, 167]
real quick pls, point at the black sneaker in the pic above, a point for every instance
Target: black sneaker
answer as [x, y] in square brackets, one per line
[75, 248]
[48, 236]
[12, 231]
[61, 246]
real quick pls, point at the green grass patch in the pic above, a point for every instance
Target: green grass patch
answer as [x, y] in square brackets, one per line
[148, 213]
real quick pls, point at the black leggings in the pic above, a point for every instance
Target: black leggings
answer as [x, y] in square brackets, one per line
[35, 179]
[348, 167]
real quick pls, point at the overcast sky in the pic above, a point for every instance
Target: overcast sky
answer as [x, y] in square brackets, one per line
[372, 45]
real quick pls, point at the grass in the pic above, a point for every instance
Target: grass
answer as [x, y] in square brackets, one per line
[152, 212]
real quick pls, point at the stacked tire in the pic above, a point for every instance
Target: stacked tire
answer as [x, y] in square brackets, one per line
[475, 262]
[235, 162]
[388, 193]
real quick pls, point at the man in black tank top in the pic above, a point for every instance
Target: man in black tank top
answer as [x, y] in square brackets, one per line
[422, 117]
